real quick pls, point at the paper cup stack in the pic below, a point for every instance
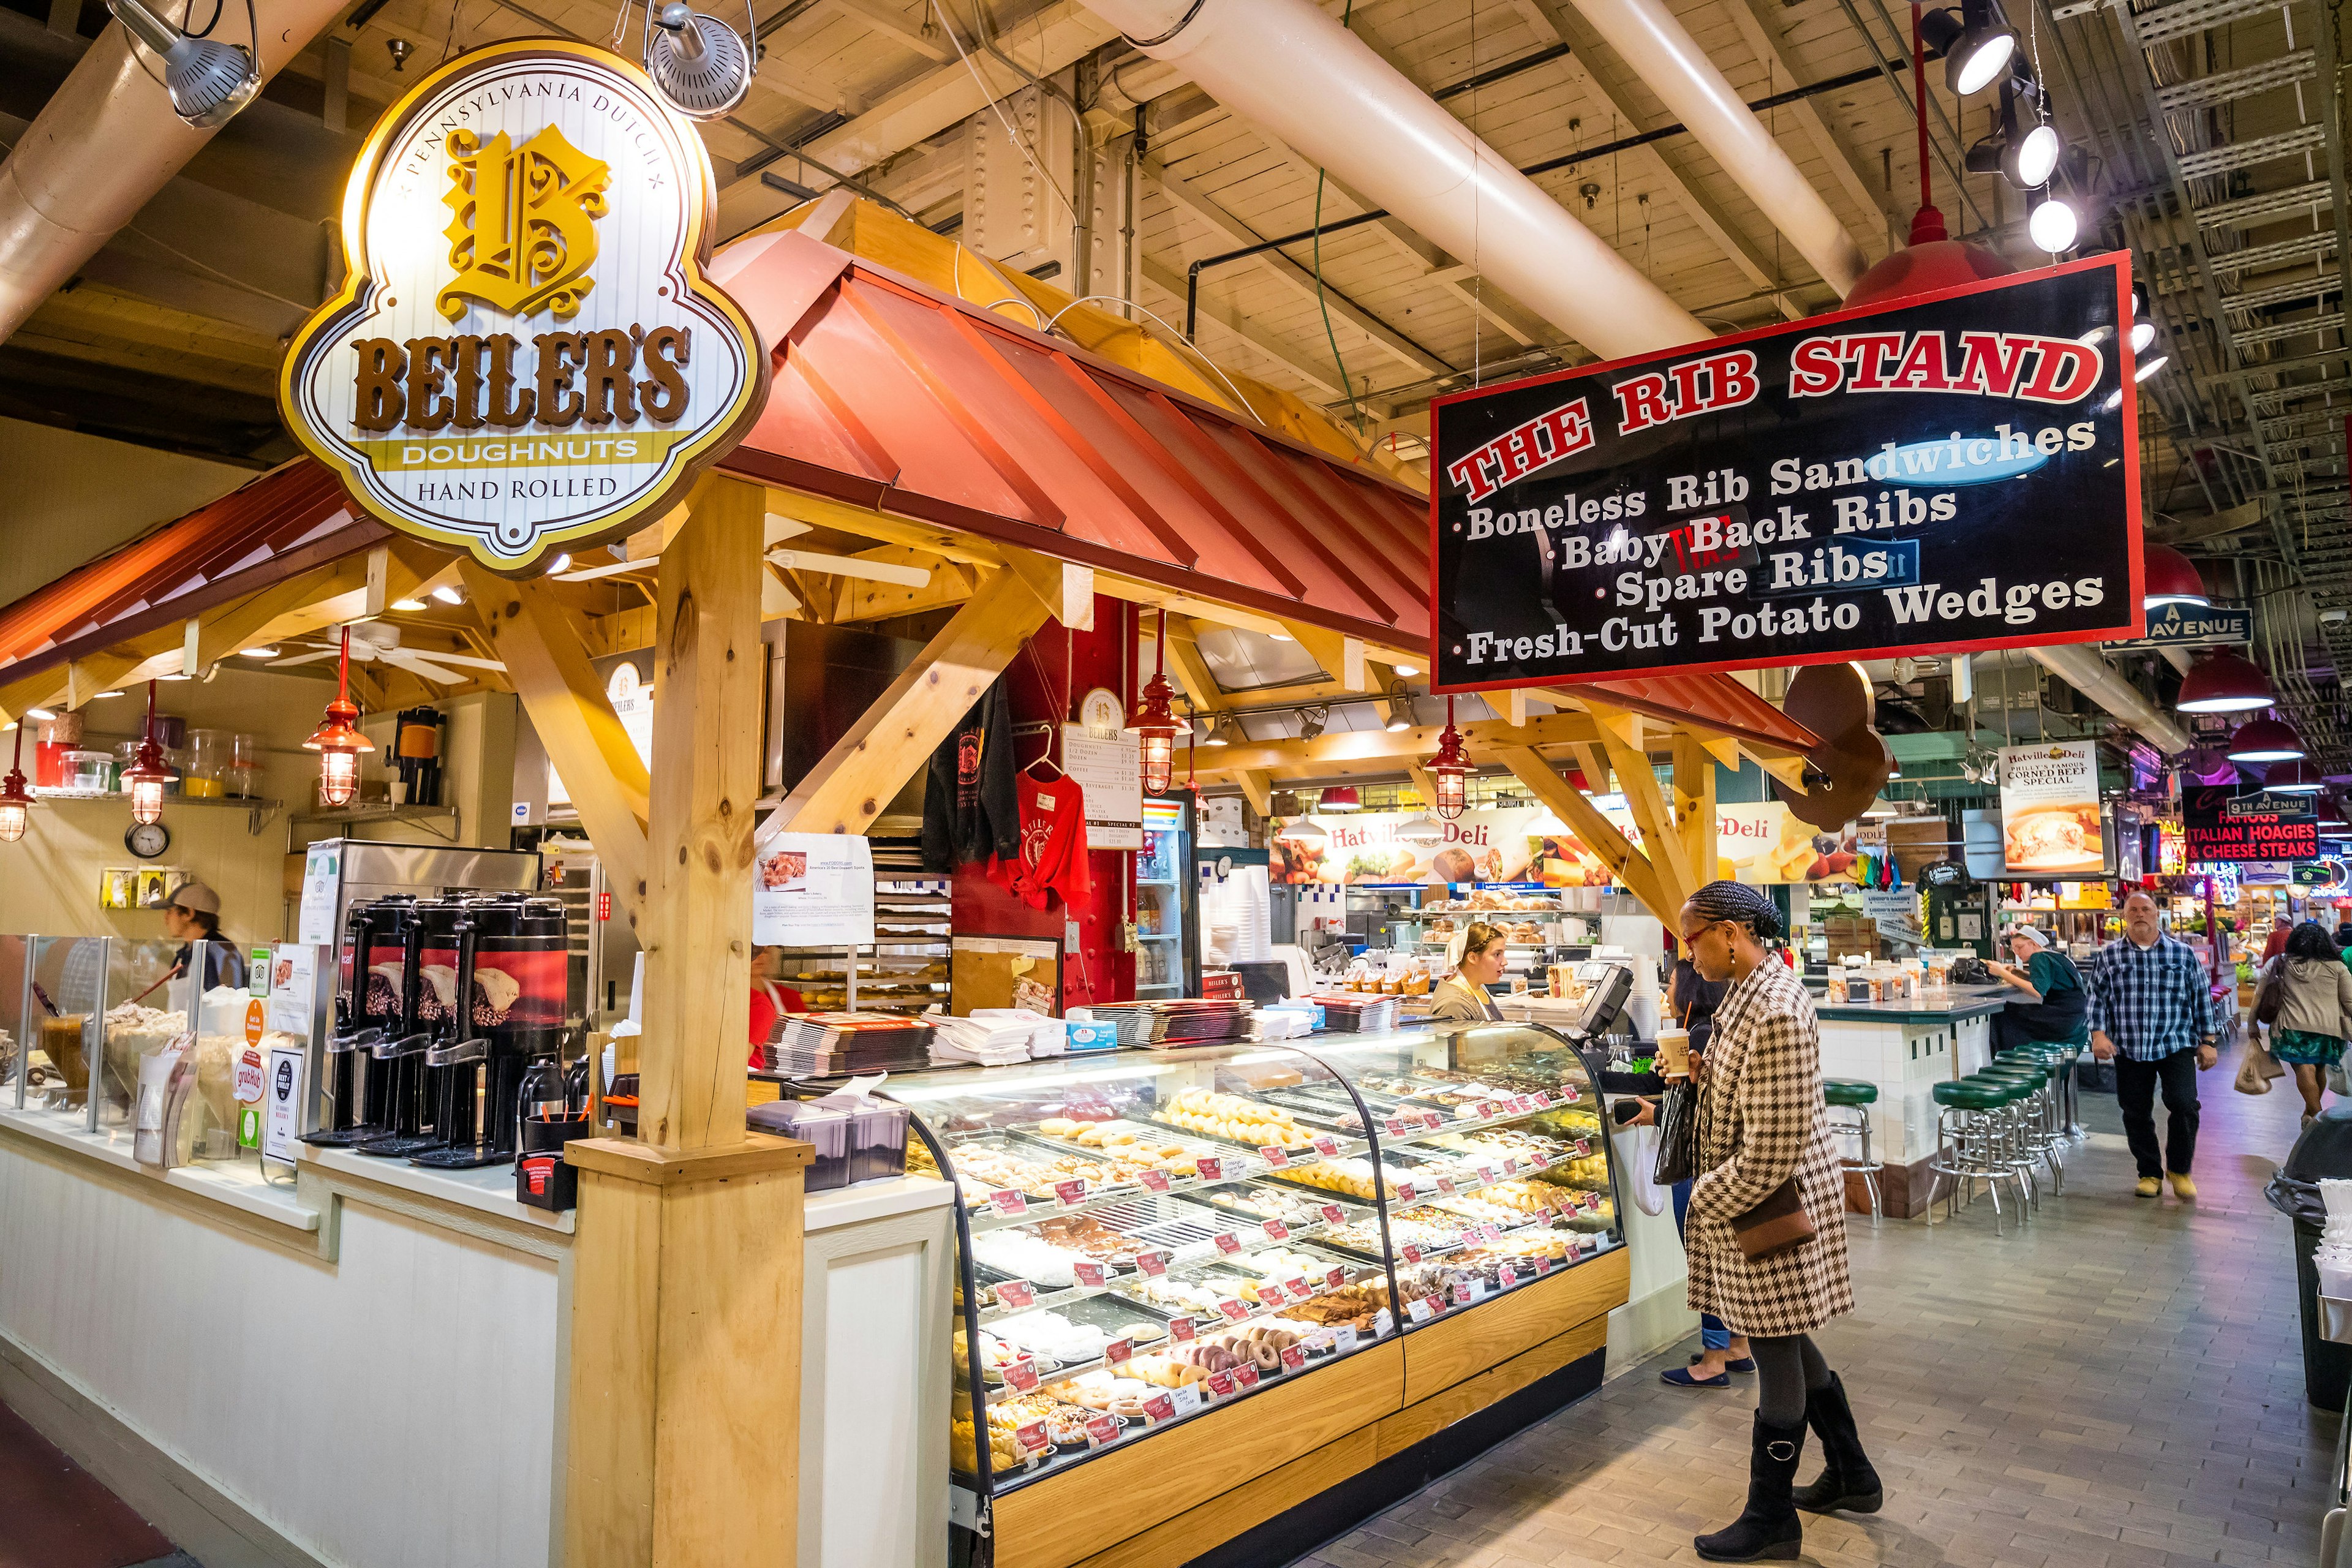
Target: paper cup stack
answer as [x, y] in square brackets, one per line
[2333, 1259]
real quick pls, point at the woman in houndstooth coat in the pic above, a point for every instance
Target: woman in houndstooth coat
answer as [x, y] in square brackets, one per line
[1761, 1121]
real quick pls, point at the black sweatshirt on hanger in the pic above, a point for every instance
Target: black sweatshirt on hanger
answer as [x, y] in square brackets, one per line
[970, 807]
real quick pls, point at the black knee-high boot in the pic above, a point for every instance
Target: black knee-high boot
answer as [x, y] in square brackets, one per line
[1768, 1529]
[1849, 1481]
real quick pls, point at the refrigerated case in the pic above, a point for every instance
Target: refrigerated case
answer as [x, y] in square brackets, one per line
[1167, 902]
[1178, 1271]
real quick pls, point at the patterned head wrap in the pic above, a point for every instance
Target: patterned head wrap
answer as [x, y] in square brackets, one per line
[1739, 903]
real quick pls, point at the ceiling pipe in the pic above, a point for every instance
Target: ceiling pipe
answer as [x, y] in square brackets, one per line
[1285, 66]
[104, 144]
[2087, 673]
[1654, 44]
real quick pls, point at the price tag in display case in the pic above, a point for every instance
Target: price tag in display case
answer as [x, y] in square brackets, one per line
[1275, 1230]
[1541, 1161]
[1583, 1149]
[1334, 1215]
[1445, 1186]
[1274, 1156]
[1326, 1145]
[1234, 1311]
[1154, 1181]
[1293, 1358]
[1101, 1431]
[1159, 1408]
[1228, 1242]
[1334, 1277]
[1021, 1376]
[1543, 1101]
[1247, 1376]
[1343, 1338]
[1299, 1289]
[1211, 1167]
[1485, 1110]
[1070, 1194]
[1469, 1236]
[1431, 1121]
[1186, 1397]
[1486, 1175]
[1030, 1438]
[1152, 1264]
[1016, 1293]
[1412, 1252]
[1180, 1330]
[1118, 1351]
[1088, 1273]
[1398, 1127]
[1490, 1232]
[1220, 1385]
[1404, 1191]
[1418, 1310]
[1007, 1201]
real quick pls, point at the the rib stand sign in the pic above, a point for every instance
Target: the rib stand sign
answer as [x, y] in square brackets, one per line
[1956, 471]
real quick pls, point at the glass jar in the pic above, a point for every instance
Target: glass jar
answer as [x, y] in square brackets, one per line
[207, 774]
[90, 772]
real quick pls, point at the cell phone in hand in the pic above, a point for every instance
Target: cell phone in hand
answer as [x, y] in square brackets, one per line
[1625, 1112]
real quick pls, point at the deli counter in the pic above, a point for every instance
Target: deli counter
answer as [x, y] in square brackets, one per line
[1235, 1296]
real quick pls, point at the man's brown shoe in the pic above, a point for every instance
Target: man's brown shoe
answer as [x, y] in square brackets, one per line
[2148, 1186]
[2182, 1187]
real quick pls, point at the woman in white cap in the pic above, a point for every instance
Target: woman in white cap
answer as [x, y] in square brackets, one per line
[2055, 1010]
[1478, 954]
[193, 915]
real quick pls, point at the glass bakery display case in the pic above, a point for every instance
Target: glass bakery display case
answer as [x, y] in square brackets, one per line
[1148, 1238]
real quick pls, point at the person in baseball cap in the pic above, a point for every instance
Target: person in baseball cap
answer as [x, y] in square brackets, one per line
[193, 915]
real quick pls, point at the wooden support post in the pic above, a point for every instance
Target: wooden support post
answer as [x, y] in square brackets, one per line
[710, 687]
[1638, 783]
[1257, 788]
[1515, 708]
[682, 1449]
[541, 647]
[1593, 830]
[1695, 817]
[847, 790]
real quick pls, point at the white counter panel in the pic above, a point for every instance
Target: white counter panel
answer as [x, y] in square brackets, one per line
[393, 1409]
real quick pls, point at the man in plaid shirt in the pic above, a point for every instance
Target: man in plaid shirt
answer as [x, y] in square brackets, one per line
[2152, 1015]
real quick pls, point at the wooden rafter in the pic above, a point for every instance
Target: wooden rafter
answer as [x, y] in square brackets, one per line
[1591, 829]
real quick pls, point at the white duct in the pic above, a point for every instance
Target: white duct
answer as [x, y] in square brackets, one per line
[2087, 673]
[1666, 57]
[101, 147]
[1285, 66]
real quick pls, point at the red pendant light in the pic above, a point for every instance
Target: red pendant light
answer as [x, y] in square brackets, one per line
[1449, 771]
[16, 804]
[2266, 740]
[2296, 777]
[2173, 579]
[338, 742]
[1156, 724]
[144, 779]
[2222, 683]
[1349, 798]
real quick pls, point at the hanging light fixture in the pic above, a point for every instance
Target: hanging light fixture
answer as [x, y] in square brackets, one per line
[2053, 224]
[1301, 831]
[1225, 732]
[206, 81]
[2222, 683]
[144, 779]
[701, 66]
[1420, 832]
[1449, 770]
[1396, 709]
[1346, 798]
[1156, 721]
[2266, 740]
[16, 803]
[2173, 579]
[338, 742]
[1975, 46]
[2293, 777]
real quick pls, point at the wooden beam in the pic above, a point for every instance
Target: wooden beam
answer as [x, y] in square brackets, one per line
[1591, 829]
[1722, 748]
[1423, 785]
[818, 511]
[896, 25]
[537, 640]
[847, 790]
[709, 687]
[1638, 783]
[1694, 806]
[1341, 657]
[1066, 587]
[1257, 789]
[1401, 747]
[1200, 684]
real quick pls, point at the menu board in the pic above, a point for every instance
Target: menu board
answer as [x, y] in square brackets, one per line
[2224, 825]
[1956, 471]
[1110, 768]
[814, 889]
[2049, 810]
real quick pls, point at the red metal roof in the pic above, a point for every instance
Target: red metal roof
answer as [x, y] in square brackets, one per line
[285, 522]
[892, 396]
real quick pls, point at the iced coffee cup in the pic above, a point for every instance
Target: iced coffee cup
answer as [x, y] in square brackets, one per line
[1674, 1052]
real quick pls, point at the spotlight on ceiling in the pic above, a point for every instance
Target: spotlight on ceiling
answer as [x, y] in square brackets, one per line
[1396, 709]
[2030, 160]
[449, 594]
[2145, 368]
[1311, 722]
[2053, 225]
[701, 67]
[257, 653]
[1975, 46]
[408, 605]
[2143, 335]
[207, 81]
[1225, 732]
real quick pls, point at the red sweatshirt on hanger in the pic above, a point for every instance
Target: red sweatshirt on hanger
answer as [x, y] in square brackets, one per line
[1053, 844]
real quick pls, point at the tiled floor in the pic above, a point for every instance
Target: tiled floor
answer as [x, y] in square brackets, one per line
[54, 1514]
[2120, 1384]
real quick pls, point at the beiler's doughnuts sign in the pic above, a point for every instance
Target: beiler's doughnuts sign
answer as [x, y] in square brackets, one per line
[525, 356]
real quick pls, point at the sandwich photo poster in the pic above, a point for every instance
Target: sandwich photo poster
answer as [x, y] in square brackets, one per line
[2049, 810]
[1759, 841]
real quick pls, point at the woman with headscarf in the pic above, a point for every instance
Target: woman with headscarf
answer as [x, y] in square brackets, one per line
[1762, 1126]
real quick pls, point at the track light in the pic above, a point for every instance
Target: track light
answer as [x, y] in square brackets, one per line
[206, 81]
[1311, 722]
[1396, 709]
[2143, 335]
[2030, 160]
[1225, 732]
[2149, 366]
[449, 594]
[701, 67]
[2053, 226]
[1975, 46]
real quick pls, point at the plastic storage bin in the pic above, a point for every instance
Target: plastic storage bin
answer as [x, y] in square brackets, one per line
[878, 1139]
[827, 1129]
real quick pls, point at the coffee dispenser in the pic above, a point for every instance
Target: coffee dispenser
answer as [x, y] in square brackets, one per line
[429, 964]
[518, 968]
[354, 1092]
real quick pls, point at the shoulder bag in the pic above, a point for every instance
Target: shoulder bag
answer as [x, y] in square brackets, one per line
[1778, 1224]
[2271, 994]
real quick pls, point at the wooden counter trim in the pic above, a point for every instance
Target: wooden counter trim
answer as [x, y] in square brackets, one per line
[1064, 1519]
[1460, 1345]
[1211, 1524]
[631, 1161]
